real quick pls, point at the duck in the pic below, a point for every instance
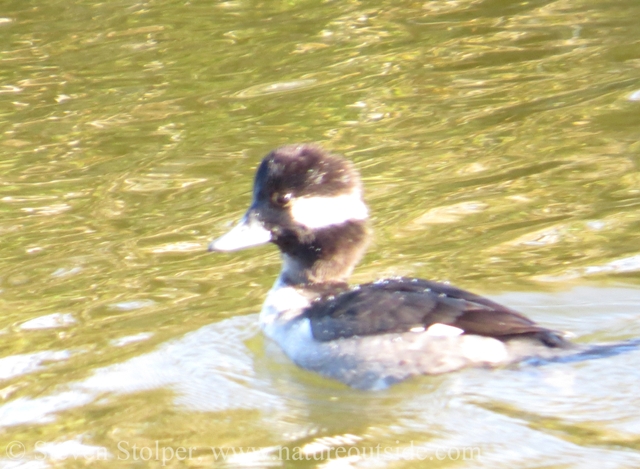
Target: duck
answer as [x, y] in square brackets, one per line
[308, 202]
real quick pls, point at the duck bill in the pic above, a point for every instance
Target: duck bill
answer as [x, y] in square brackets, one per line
[247, 233]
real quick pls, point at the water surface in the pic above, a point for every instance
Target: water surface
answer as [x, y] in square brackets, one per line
[499, 147]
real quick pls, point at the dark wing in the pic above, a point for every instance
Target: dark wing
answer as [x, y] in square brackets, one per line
[401, 304]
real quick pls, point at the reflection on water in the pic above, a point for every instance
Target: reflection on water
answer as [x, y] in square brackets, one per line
[220, 370]
[499, 147]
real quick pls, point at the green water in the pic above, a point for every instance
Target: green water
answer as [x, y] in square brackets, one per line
[499, 144]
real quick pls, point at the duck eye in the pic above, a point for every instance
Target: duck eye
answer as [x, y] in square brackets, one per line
[281, 199]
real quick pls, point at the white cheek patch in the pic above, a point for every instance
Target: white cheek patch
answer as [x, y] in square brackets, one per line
[442, 330]
[320, 212]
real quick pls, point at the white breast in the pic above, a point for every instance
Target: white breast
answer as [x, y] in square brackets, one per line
[283, 305]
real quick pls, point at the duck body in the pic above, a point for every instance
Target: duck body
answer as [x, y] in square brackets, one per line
[308, 203]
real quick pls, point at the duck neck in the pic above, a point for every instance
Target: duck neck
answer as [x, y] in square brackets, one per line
[327, 255]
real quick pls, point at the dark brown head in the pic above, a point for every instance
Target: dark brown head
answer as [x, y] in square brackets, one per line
[309, 203]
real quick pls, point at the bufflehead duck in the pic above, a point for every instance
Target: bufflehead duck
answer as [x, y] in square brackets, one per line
[308, 202]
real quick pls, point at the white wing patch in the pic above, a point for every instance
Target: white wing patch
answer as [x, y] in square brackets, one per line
[320, 212]
[484, 349]
[442, 330]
